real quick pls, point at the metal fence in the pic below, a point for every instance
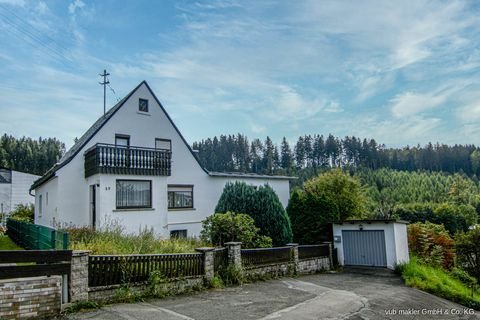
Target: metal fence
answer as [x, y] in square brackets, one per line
[265, 256]
[313, 251]
[36, 237]
[220, 259]
[118, 269]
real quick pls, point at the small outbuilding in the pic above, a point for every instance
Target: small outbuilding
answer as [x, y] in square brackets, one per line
[373, 243]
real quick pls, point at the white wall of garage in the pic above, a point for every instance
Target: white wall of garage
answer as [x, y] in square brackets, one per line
[396, 240]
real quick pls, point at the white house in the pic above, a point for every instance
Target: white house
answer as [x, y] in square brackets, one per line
[134, 166]
[372, 243]
[14, 190]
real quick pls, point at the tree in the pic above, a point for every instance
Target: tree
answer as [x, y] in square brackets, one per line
[286, 156]
[468, 251]
[332, 196]
[344, 196]
[224, 227]
[271, 217]
[262, 204]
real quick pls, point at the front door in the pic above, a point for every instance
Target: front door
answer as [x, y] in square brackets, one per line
[93, 206]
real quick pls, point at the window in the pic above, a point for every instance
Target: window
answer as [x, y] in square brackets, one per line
[163, 144]
[122, 140]
[178, 234]
[46, 199]
[134, 194]
[39, 206]
[180, 197]
[143, 105]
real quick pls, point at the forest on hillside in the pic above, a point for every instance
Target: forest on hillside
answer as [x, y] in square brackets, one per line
[308, 156]
[311, 154]
[30, 155]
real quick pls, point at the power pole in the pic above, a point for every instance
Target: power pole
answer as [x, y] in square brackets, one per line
[104, 84]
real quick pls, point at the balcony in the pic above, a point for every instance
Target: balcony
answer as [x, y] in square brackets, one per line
[112, 159]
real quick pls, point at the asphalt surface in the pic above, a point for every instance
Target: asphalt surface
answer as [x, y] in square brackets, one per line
[352, 295]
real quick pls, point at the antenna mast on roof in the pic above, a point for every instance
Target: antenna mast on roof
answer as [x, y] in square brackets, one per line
[104, 84]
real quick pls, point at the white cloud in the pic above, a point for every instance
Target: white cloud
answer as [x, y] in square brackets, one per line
[77, 4]
[410, 103]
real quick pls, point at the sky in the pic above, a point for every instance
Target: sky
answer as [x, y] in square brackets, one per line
[402, 72]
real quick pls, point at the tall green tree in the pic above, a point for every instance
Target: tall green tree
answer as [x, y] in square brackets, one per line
[330, 197]
[262, 204]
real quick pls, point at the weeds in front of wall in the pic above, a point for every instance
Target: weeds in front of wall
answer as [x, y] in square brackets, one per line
[216, 283]
[112, 238]
[82, 306]
[232, 275]
[127, 294]
[157, 285]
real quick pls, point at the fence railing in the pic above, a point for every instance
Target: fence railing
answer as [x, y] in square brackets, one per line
[106, 158]
[36, 237]
[119, 269]
[220, 258]
[313, 251]
[264, 256]
[34, 263]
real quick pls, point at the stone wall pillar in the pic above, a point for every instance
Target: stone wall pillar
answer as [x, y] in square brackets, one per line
[78, 286]
[208, 262]
[234, 252]
[330, 253]
[294, 255]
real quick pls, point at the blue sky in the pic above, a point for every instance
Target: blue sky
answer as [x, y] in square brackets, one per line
[402, 72]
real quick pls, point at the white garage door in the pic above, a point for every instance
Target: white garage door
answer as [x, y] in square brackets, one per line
[364, 248]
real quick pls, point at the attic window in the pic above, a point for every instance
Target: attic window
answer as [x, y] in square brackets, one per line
[143, 105]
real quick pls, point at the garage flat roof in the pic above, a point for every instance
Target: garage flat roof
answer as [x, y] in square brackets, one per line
[369, 221]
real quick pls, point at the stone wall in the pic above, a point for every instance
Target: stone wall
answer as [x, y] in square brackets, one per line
[272, 270]
[313, 265]
[37, 297]
[176, 286]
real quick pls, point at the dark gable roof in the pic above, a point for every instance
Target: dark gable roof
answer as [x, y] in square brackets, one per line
[87, 136]
[248, 175]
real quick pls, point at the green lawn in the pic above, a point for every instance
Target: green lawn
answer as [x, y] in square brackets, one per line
[439, 282]
[7, 244]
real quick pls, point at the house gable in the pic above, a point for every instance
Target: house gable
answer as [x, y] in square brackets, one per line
[101, 123]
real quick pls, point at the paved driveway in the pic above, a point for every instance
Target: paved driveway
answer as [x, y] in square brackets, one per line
[325, 296]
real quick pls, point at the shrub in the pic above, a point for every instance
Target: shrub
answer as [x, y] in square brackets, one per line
[224, 227]
[468, 251]
[262, 204]
[24, 212]
[432, 244]
[463, 276]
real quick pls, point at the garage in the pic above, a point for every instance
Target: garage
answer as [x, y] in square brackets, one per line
[371, 243]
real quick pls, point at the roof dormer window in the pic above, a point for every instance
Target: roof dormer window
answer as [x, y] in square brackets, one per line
[143, 105]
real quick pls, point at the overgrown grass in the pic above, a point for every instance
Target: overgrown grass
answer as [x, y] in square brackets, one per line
[438, 282]
[7, 244]
[112, 239]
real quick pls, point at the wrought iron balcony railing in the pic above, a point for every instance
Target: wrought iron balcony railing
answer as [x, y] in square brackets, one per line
[112, 159]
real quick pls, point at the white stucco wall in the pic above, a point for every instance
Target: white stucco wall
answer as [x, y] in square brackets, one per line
[396, 242]
[401, 242]
[16, 193]
[5, 197]
[71, 189]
